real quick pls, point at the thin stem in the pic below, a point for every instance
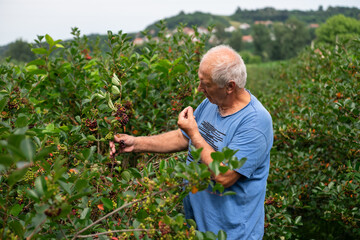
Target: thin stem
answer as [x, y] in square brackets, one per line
[115, 231]
[35, 230]
[124, 206]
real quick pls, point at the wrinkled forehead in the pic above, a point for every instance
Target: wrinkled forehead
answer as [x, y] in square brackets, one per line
[205, 69]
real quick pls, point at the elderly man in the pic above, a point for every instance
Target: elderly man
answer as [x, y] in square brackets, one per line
[232, 117]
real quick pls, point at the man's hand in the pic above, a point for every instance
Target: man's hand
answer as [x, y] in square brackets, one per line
[187, 123]
[126, 144]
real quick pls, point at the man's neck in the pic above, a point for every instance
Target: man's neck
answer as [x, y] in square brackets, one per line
[235, 102]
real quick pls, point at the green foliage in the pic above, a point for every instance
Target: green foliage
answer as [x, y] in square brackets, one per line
[19, 51]
[262, 41]
[191, 19]
[318, 16]
[313, 184]
[282, 40]
[338, 28]
[235, 40]
[290, 38]
[264, 14]
[58, 113]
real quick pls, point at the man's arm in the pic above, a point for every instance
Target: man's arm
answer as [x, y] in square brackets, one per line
[187, 123]
[173, 141]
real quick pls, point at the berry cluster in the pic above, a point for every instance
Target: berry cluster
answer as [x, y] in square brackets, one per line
[29, 176]
[121, 115]
[91, 124]
[122, 144]
[86, 54]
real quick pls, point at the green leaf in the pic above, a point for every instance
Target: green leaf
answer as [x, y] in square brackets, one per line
[242, 162]
[298, 220]
[191, 222]
[49, 40]
[214, 167]
[32, 194]
[115, 80]
[228, 153]
[210, 235]
[222, 235]
[107, 203]
[111, 105]
[6, 160]
[287, 217]
[17, 228]
[91, 138]
[16, 209]
[16, 176]
[141, 214]
[37, 62]
[85, 213]
[115, 90]
[65, 186]
[39, 50]
[218, 187]
[40, 186]
[179, 69]
[88, 152]
[162, 165]
[181, 175]
[218, 156]
[179, 220]
[205, 174]
[229, 193]
[135, 172]
[196, 153]
[126, 175]
[28, 148]
[199, 235]
[223, 169]
[81, 184]
[3, 103]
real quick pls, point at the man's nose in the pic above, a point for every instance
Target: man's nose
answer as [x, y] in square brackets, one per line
[200, 89]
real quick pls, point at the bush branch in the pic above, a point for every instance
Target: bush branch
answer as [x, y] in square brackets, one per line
[115, 231]
[124, 206]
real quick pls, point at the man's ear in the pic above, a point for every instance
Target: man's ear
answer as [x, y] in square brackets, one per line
[230, 86]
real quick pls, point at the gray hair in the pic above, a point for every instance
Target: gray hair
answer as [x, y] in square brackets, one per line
[226, 64]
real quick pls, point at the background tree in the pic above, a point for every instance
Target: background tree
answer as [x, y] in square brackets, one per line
[20, 50]
[235, 41]
[262, 41]
[290, 38]
[340, 27]
[220, 33]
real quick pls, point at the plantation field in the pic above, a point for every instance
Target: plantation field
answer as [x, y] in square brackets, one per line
[59, 112]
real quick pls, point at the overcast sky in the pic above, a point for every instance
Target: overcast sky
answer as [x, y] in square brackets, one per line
[28, 18]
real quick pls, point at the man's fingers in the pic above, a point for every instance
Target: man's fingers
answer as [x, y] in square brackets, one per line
[190, 112]
[186, 113]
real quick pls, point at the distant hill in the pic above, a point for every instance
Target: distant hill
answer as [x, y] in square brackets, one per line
[240, 16]
[191, 19]
[250, 16]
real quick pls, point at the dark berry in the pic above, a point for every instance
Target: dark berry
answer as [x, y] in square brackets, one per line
[122, 144]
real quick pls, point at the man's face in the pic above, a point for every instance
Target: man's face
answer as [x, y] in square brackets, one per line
[211, 90]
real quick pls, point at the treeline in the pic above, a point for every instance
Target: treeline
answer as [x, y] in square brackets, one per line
[265, 14]
[271, 14]
[274, 34]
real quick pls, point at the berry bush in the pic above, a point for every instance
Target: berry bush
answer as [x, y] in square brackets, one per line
[59, 112]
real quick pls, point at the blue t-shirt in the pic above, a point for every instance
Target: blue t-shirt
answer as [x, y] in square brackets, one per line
[250, 131]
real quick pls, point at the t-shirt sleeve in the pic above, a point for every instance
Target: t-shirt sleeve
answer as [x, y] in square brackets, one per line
[252, 145]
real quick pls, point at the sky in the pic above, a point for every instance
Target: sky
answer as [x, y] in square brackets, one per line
[25, 19]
